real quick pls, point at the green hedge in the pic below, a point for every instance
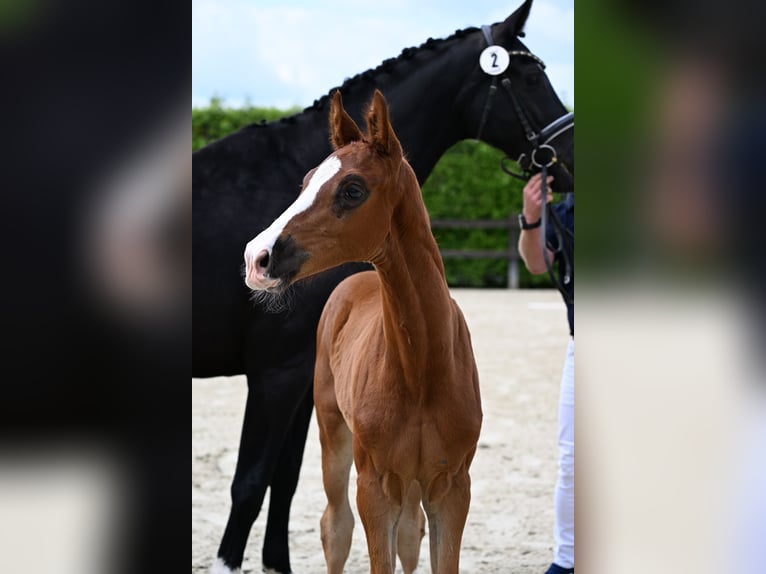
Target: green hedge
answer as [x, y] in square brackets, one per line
[215, 121]
[467, 183]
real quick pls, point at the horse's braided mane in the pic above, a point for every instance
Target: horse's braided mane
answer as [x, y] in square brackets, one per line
[366, 76]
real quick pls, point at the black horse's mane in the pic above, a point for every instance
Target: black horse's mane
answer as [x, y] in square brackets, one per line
[385, 66]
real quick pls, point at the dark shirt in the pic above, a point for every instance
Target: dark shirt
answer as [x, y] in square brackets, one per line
[565, 212]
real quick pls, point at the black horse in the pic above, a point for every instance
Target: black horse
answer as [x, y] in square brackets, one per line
[244, 181]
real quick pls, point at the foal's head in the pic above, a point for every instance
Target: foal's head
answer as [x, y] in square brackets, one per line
[344, 210]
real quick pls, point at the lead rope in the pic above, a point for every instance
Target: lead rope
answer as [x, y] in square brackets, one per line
[557, 227]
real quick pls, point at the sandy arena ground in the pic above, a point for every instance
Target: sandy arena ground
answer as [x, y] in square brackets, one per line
[519, 339]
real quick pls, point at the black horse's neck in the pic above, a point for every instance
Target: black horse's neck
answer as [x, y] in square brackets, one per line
[427, 120]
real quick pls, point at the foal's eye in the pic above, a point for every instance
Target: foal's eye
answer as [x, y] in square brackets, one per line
[353, 192]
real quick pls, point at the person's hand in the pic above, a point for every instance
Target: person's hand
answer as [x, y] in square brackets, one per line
[533, 197]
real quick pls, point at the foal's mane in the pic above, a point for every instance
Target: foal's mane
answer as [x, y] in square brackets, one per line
[386, 66]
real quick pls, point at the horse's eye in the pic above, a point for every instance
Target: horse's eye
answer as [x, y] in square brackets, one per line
[353, 192]
[350, 195]
[533, 79]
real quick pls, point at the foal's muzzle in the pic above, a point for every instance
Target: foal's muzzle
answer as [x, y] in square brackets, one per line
[282, 264]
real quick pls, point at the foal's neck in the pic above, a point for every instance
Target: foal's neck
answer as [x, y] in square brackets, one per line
[417, 307]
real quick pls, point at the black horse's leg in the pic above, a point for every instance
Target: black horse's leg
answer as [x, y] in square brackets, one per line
[274, 395]
[276, 555]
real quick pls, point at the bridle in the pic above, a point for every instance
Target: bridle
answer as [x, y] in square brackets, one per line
[539, 142]
[542, 155]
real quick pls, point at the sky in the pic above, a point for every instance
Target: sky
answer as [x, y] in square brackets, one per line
[282, 54]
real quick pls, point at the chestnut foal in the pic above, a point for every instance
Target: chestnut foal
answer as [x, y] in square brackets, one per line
[395, 383]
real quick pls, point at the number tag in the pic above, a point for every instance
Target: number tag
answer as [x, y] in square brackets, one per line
[494, 60]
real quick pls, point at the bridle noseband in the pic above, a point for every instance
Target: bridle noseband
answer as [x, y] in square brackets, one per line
[541, 156]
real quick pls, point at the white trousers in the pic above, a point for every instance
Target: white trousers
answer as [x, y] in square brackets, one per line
[563, 526]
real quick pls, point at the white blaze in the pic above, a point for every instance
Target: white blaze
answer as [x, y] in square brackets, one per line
[267, 237]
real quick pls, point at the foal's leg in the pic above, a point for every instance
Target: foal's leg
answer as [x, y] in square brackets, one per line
[379, 500]
[411, 529]
[337, 523]
[447, 501]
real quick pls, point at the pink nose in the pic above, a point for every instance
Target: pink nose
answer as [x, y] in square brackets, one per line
[261, 262]
[257, 266]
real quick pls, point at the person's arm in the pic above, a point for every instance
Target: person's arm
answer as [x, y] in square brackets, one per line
[529, 240]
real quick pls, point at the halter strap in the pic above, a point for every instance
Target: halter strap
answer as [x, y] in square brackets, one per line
[557, 127]
[532, 136]
[487, 31]
[528, 55]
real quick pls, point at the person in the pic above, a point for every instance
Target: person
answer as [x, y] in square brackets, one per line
[530, 249]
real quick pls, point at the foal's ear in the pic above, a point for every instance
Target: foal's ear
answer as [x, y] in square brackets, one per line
[513, 26]
[380, 132]
[343, 129]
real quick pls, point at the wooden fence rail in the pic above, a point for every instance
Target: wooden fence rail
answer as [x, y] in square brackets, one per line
[511, 254]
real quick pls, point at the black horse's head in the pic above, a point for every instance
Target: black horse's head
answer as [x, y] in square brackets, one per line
[509, 102]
